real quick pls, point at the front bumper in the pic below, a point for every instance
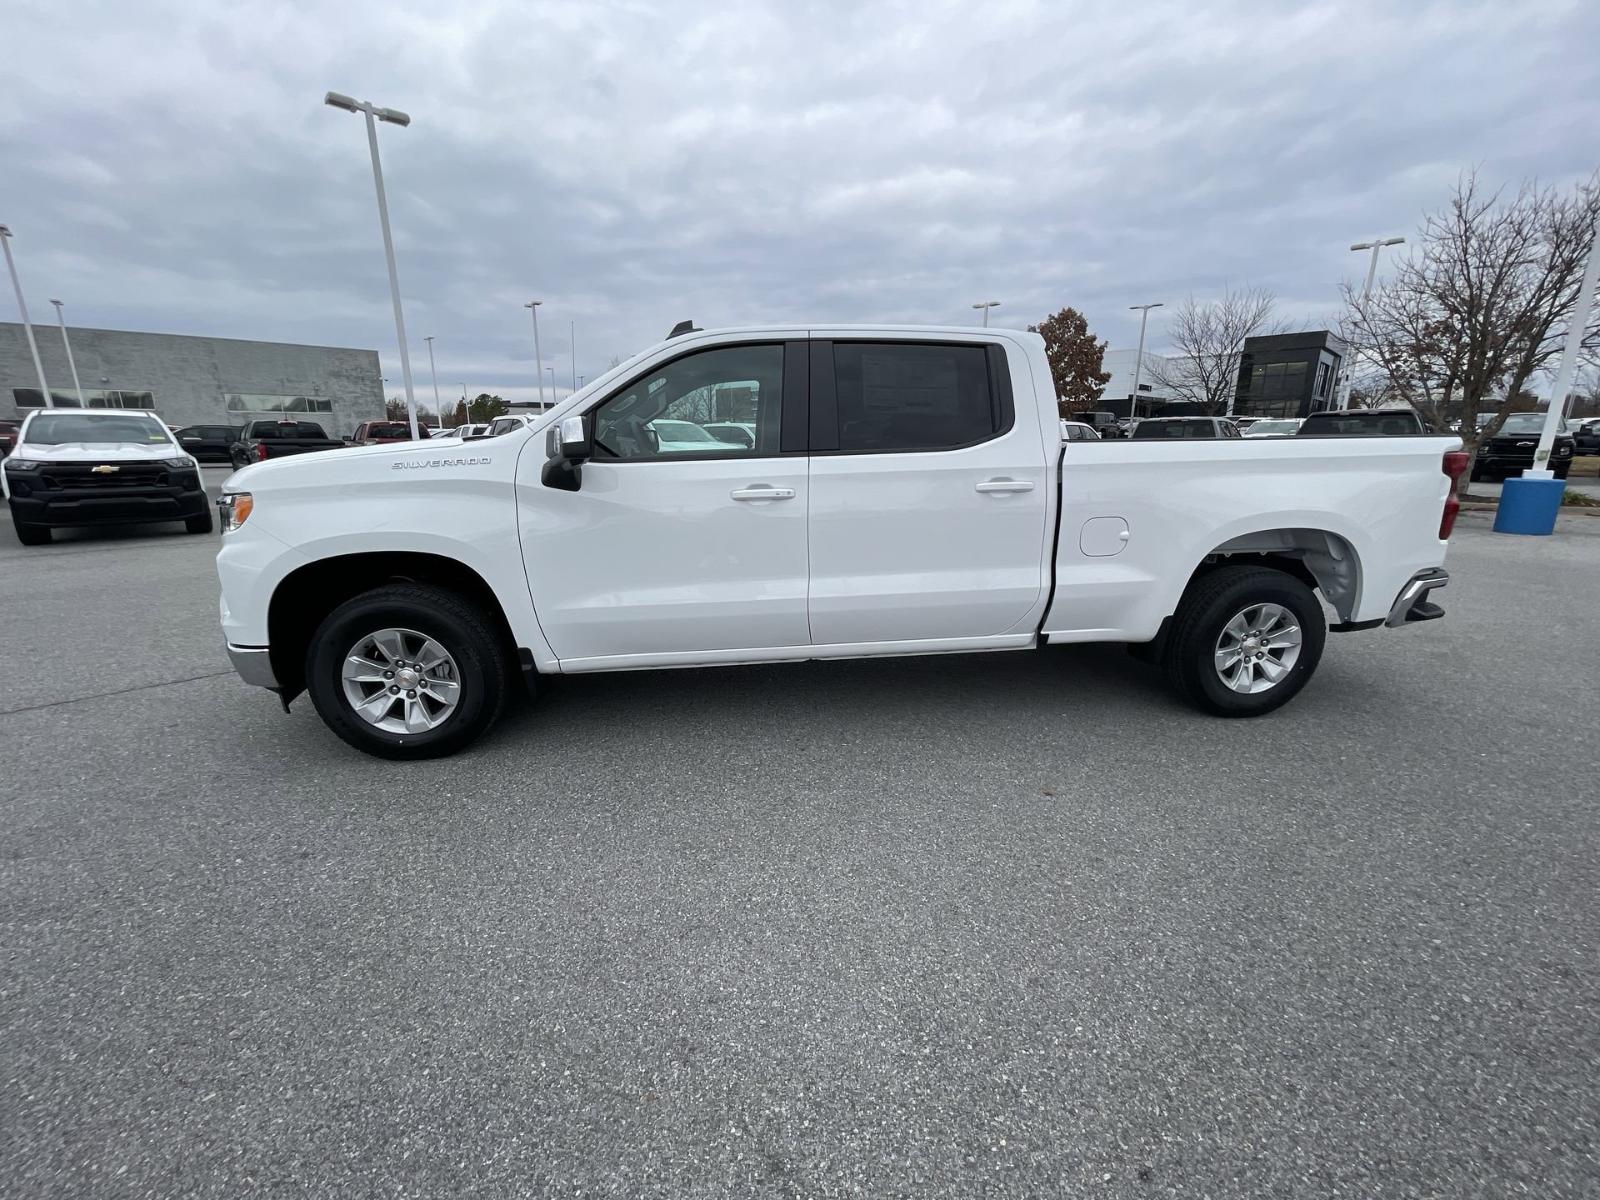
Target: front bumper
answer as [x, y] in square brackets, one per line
[1411, 605]
[253, 664]
[60, 507]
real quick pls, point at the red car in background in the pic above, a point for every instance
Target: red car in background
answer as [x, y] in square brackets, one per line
[8, 436]
[373, 433]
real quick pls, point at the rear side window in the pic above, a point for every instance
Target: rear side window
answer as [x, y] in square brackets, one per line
[909, 396]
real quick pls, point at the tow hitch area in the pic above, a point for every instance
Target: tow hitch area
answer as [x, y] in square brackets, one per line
[1412, 605]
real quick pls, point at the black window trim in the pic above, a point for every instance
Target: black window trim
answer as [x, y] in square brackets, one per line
[825, 400]
[790, 426]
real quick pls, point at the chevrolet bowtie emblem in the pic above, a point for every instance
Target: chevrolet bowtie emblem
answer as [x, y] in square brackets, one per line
[105, 469]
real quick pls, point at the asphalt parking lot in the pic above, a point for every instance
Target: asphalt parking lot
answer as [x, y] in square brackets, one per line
[991, 925]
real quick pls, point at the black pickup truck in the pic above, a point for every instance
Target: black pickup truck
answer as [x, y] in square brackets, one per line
[261, 440]
[1510, 451]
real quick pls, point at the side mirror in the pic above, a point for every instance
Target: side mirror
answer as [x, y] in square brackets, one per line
[571, 446]
[574, 440]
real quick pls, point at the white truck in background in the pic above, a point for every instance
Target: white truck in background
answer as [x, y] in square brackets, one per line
[900, 491]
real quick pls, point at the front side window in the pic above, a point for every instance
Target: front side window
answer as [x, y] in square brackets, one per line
[723, 403]
[909, 396]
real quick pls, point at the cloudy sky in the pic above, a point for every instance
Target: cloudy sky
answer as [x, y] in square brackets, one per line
[171, 166]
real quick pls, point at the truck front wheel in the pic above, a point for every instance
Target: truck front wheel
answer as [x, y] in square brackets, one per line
[407, 671]
[1244, 641]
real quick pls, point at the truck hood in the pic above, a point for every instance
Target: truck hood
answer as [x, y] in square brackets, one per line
[100, 452]
[295, 468]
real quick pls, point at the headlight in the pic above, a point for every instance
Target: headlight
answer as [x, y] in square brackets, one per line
[13, 463]
[235, 508]
[180, 463]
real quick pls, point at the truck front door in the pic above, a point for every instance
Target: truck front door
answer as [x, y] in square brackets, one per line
[928, 493]
[678, 546]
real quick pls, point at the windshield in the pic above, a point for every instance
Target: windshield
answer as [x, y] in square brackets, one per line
[680, 431]
[56, 429]
[1259, 427]
[395, 430]
[1524, 423]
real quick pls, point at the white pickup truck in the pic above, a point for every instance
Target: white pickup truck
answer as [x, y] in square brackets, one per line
[890, 491]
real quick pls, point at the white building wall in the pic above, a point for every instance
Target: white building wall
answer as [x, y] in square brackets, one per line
[1120, 363]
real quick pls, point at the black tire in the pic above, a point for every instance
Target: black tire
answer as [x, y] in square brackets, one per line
[32, 535]
[1561, 471]
[200, 524]
[1477, 473]
[457, 624]
[1211, 602]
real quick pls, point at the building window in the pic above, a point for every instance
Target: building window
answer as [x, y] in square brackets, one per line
[258, 402]
[93, 397]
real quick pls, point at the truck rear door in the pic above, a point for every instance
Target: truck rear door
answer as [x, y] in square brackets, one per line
[928, 492]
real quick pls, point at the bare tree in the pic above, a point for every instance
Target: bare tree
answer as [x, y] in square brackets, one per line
[1481, 305]
[1208, 337]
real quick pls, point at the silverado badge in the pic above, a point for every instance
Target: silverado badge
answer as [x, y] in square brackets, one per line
[105, 469]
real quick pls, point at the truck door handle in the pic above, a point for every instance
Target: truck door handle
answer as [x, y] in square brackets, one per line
[762, 493]
[1005, 485]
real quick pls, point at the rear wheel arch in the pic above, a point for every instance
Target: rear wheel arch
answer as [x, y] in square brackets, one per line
[1318, 558]
[305, 596]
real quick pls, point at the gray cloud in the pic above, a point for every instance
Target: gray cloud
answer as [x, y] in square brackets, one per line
[633, 164]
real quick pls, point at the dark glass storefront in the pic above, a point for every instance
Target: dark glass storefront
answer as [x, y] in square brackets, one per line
[1288, 374]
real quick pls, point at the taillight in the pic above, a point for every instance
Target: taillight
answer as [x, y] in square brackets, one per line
[261, 452]
[1454, 465]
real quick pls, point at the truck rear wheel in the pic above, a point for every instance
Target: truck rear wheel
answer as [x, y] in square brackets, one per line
[1244, 641]
[407, 671]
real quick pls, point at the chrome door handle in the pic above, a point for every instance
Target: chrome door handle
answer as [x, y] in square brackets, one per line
[1005, 485]
[762, 493]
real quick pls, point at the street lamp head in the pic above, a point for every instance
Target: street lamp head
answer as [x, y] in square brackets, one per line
[57, 303]
[533, 304]
[1146, 307]
[340, 100]
[393, 116]
[987, 304]
[1395, 242]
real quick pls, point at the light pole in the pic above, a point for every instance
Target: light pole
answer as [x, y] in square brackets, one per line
[538, 355]
[1138, 359]
[986, 305]
[438, 405]
[72, 366]
[1372, 268]
[572, 328]
[374, 114]
[1576, 328]
[580, 380]
[1376, 247]
[552, 372]
[22, 307]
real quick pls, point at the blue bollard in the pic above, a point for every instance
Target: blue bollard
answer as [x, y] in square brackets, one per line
[1529, 506]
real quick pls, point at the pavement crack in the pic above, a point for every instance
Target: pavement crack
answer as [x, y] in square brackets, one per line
[143, 687]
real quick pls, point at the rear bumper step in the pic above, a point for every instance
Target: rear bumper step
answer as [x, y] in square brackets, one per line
[1412, 605]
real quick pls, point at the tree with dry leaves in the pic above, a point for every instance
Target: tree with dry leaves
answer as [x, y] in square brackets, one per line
[1076, 360]
[1479, 309]
[1207, 339]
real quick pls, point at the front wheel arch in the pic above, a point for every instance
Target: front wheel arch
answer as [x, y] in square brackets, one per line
[309, 593]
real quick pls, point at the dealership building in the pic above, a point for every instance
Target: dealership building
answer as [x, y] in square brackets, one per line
[193, 380]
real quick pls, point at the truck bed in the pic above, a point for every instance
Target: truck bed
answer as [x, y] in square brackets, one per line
[1133, 513]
